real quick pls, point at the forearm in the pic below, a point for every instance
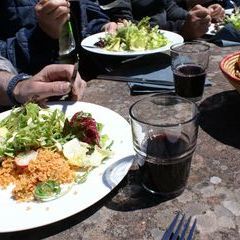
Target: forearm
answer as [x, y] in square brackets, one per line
[5, 77]
[7, 71]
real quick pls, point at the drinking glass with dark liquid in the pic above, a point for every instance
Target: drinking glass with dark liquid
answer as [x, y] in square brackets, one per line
[189, 62]
[164, 129]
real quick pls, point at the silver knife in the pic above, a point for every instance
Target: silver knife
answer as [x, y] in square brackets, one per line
[135, 80]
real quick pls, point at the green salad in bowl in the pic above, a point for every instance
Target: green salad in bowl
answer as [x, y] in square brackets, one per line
[134, 37]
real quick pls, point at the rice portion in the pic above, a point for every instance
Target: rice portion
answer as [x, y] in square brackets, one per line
[47, 166]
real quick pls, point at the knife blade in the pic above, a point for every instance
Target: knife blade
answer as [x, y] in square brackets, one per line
[135, 80]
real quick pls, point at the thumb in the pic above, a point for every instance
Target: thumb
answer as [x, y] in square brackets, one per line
[112, 27]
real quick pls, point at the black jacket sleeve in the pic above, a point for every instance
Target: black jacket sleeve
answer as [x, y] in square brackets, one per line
[117, 9]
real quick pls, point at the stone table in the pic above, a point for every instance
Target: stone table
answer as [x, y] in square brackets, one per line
[213, 191]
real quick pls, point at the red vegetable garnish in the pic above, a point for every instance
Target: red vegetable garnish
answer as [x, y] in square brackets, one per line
[85, 128]
[101, 43]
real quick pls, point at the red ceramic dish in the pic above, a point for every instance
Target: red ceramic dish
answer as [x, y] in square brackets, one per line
[227, 66]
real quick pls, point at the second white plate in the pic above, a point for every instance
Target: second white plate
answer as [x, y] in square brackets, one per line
[89, 44]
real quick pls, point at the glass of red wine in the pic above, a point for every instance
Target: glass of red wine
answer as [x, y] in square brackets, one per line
[189, 61]
[164, 130]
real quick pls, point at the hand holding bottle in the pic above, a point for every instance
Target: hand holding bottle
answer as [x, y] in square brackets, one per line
[52, 15]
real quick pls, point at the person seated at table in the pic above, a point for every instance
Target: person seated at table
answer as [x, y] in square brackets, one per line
[30, 30]
[187, 4]
[52, 80]
[216, 9]
[167, 15]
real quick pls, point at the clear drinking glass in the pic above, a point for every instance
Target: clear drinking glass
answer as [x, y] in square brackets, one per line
[164, 129]
[189, 61]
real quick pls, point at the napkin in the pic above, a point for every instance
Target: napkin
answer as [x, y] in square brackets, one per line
[227, 36]
[149, 67]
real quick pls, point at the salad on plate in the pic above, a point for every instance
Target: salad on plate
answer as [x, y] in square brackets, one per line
[134, 37]
[43, 153]
[234, 19]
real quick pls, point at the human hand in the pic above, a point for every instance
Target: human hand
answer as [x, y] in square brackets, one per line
[112, 27]
[52, 15]
[192, 3]
[53, 80]
[217, 12]
[197, 23]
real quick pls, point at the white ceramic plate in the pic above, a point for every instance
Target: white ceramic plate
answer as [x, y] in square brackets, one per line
[213, 29]
[21, 216]
[229, 11]
[88, 44]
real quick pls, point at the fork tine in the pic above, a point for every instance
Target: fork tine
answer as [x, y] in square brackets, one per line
[175, 235]
[192, 230]
[170, 229]
[185, 229]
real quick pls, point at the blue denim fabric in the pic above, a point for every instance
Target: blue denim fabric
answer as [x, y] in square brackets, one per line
[92, 17]
[26, 46]
[22, 42]
[227, 36]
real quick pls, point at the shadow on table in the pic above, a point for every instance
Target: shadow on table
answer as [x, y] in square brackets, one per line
[220, 117]
[133, 196]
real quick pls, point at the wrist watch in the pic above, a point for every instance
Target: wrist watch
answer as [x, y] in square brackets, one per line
[12, 84]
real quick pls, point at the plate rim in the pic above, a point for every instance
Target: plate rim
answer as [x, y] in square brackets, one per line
[97, 50]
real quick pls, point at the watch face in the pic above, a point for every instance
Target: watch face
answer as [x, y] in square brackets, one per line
[26, 76]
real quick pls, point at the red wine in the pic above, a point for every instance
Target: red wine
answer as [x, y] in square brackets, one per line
[189, 80]
[164, 170]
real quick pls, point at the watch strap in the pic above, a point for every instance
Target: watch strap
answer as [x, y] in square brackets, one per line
[12, 84]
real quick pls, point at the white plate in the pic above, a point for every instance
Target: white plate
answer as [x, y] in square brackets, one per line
[21, 216]
[229, 11]
[212, 30]
[88, 44]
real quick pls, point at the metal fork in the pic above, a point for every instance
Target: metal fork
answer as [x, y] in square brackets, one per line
[180, 233]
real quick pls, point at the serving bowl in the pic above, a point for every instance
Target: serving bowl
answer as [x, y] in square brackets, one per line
[228, 66]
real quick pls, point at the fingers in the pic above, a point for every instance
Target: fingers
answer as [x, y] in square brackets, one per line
[47, 7]
[217, 12]
[110, 27]
[78, 88]
[52, 15]
[55, 13]
[53, 80]
[60, 11]
[199, 7]
[63, 72]
[200, 13]
[27, 89]
[45, 90]
[54, 72]
[61, 20]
